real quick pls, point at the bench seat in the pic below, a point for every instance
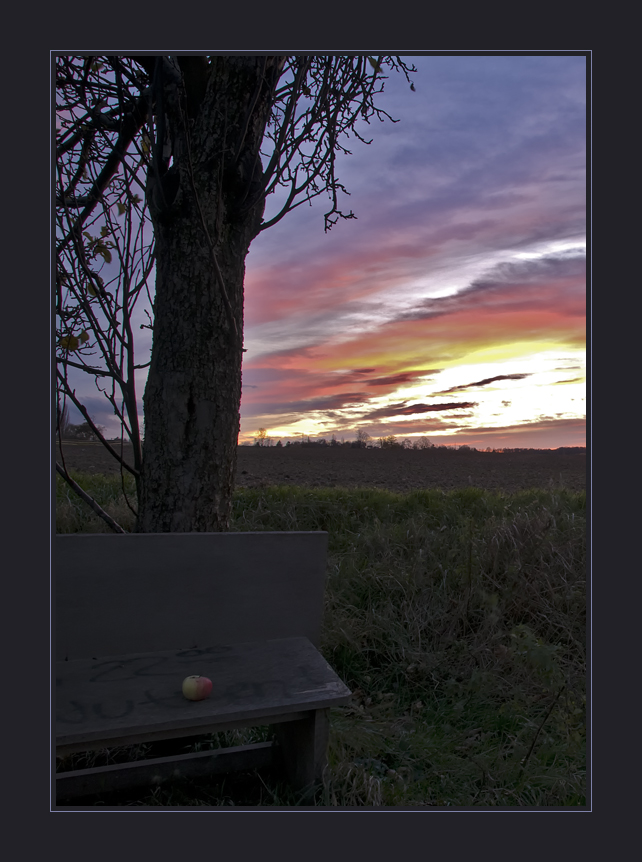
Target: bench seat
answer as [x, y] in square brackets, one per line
[137, 698]
[124, 700]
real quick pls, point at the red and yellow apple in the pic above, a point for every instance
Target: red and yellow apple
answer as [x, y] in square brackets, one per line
[197, 687]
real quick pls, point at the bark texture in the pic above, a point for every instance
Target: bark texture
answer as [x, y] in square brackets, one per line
[202, 193]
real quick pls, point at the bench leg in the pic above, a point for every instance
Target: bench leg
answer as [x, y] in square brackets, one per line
[303, 746]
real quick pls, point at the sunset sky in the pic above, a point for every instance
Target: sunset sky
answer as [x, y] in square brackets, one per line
[454, 306]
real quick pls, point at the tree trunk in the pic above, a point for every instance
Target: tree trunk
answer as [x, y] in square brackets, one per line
[204, 220]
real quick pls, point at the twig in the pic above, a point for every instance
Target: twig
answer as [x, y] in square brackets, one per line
[544, 720]
[89, 500]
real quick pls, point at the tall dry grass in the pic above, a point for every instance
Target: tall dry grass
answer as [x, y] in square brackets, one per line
[459, 622]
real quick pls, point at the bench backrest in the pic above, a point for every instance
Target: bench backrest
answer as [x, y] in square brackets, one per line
[143, 592]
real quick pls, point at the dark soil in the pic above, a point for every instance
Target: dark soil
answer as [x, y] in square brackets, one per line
[395, 469]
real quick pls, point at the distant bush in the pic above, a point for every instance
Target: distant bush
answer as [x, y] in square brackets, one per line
[82, 432]
[262, 438]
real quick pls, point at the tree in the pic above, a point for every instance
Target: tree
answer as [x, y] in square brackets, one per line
[363, 438]
[206, 140]
[261, 438]
[422, 443]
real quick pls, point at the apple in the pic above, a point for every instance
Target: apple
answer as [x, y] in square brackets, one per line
[197, 687]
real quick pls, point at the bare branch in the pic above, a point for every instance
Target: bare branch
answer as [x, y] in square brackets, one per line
[71, 393]
[132, 124]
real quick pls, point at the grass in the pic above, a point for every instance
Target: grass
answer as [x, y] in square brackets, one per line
[458, 620]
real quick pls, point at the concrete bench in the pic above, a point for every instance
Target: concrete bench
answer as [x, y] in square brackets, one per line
[137, 613]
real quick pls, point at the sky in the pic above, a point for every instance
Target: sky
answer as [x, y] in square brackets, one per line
[454, 306]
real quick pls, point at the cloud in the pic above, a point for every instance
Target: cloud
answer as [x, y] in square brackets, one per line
[485, 382]
[329, 402]
[404, 409]
[267, 381]
[479, 161]
[397, 379]
[556, 281]
[545, 423]
[572, 380]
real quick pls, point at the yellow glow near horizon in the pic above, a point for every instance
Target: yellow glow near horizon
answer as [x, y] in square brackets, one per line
[553, 389]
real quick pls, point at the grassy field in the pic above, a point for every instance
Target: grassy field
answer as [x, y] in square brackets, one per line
[459, 622]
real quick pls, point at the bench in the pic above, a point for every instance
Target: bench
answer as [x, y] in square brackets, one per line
[137, 613]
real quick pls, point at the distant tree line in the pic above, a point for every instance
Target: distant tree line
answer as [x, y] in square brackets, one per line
[365, 441]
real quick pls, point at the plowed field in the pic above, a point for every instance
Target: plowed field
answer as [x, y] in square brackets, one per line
[395, 469]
